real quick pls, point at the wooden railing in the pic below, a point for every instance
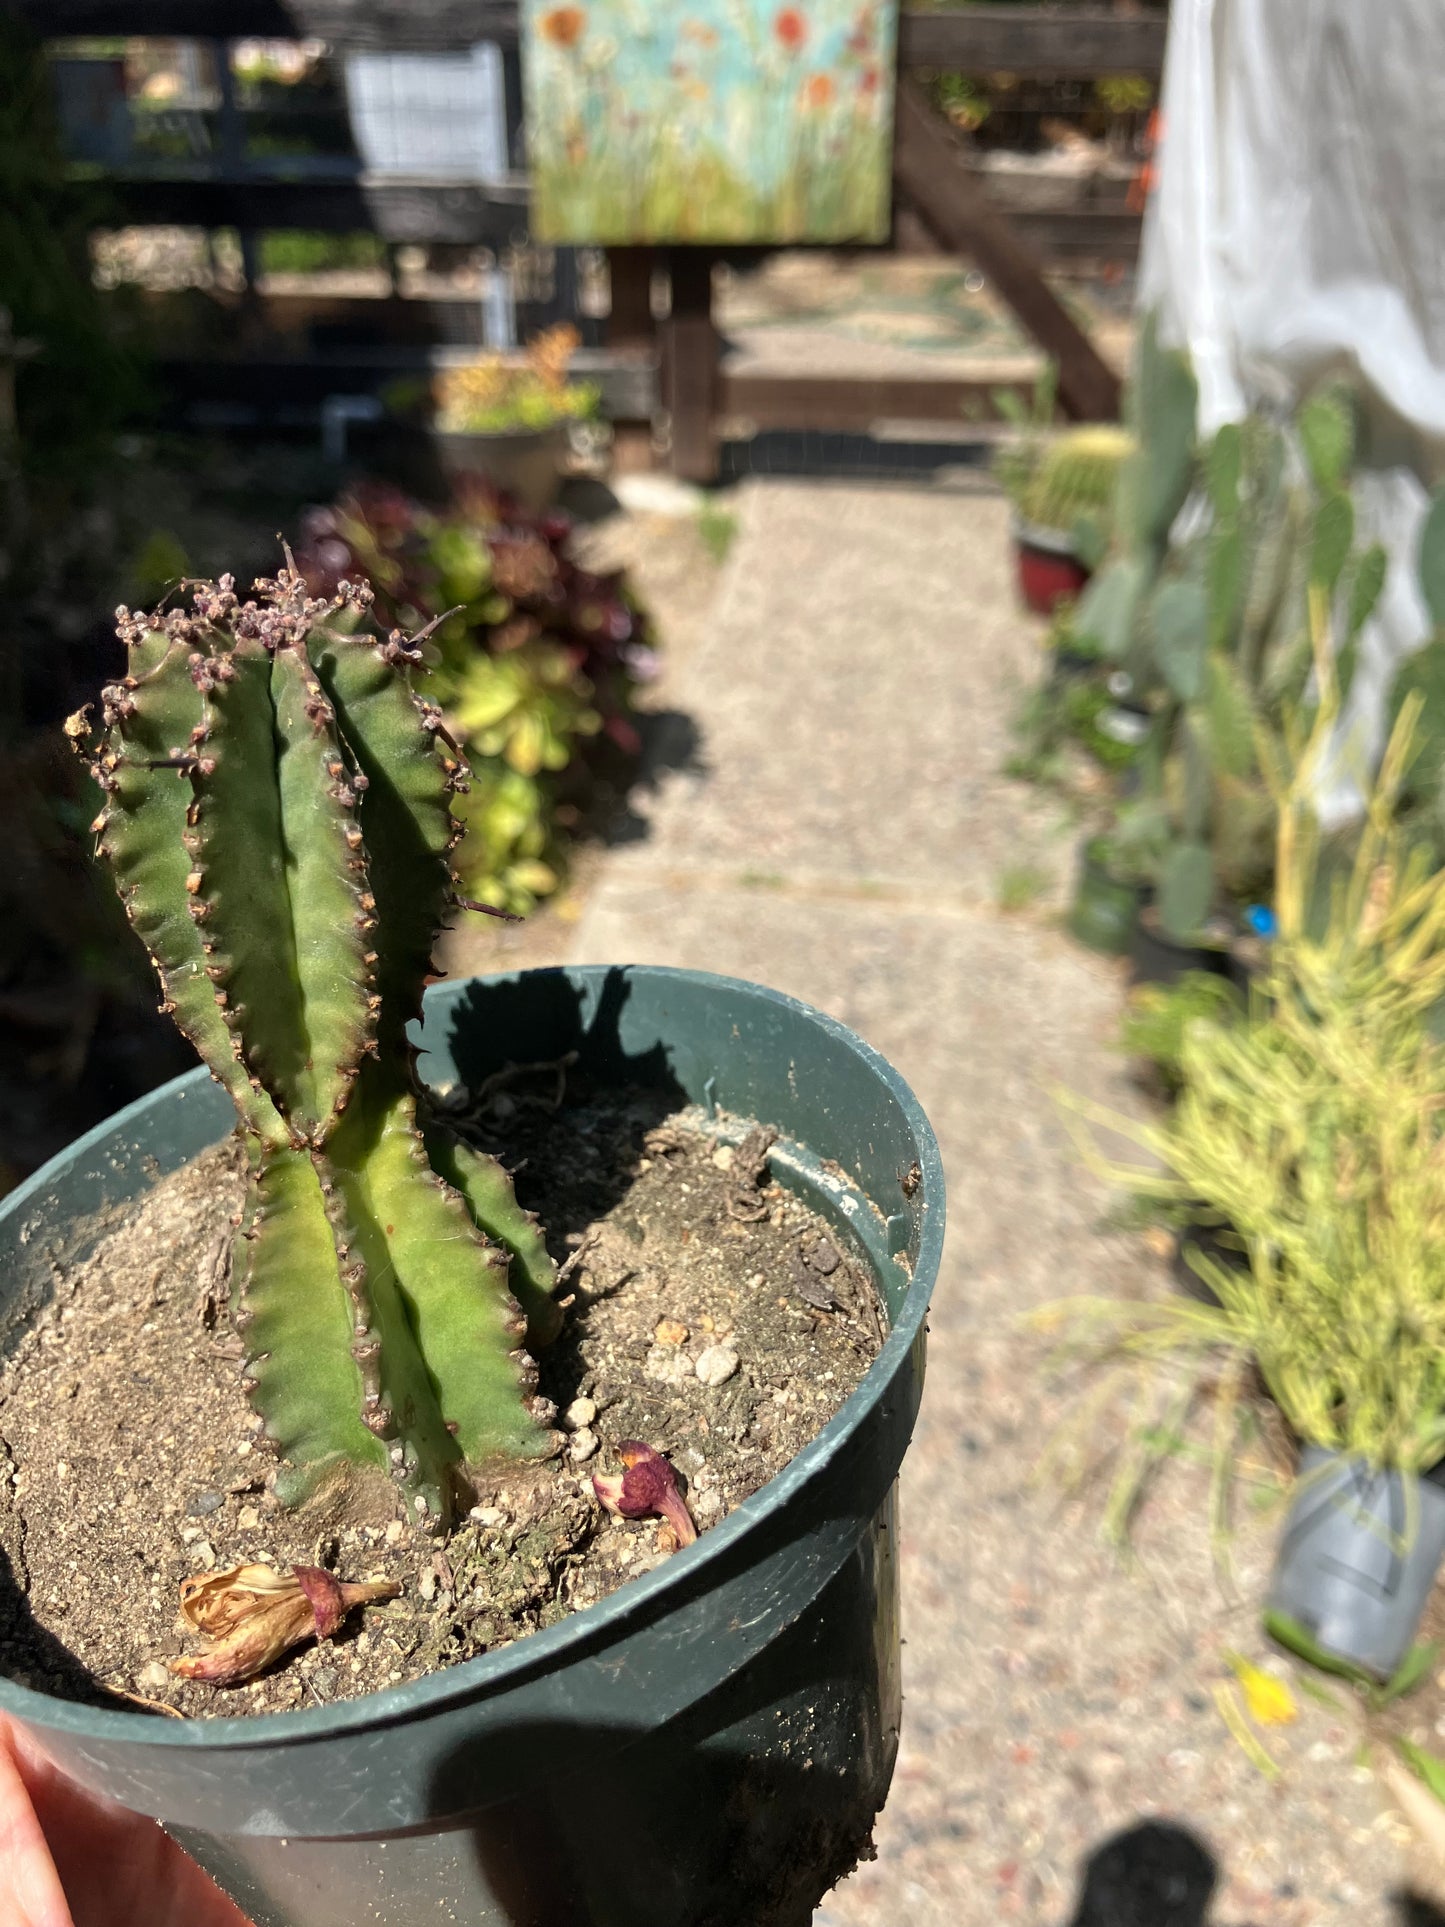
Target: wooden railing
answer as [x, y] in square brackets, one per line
[941, 201]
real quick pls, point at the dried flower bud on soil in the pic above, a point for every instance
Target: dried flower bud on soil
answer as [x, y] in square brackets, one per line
[648, 1489]
[250, 1615]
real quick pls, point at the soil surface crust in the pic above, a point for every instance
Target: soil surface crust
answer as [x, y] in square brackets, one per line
[714, 1317]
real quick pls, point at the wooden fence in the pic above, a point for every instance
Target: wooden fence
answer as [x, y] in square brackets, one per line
[943, 200]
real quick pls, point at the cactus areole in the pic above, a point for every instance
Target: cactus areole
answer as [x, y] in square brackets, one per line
[278, 819]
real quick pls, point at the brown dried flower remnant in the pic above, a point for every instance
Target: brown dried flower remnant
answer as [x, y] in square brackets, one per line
[648, 1489]
[250, 1615]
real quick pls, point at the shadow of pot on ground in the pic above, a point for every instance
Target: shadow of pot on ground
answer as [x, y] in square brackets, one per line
[1160, 1874]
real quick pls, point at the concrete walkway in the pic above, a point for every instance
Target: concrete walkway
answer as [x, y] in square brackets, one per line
[846, 840]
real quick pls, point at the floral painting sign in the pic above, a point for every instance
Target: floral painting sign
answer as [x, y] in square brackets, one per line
[709, 120]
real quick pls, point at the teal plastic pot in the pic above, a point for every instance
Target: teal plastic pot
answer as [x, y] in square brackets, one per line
[709, 1745]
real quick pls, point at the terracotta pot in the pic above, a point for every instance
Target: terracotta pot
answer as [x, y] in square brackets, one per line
[1049, 570]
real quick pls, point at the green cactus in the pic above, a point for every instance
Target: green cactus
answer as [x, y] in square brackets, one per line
[1432, 560]
[1072, 483]
[278, 818]
[1153, 482]
[1212, 621]
[1326, 427]
[1164, 400]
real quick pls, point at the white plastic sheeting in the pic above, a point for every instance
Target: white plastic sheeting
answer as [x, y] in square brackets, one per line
[1297, 230]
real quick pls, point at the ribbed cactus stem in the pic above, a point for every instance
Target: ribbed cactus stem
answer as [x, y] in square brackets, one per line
[278, 817]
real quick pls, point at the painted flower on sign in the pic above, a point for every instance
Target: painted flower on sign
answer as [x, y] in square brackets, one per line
[563, 26]
[790, 28]
[709, 120]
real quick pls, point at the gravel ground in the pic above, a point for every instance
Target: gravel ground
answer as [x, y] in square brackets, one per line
[847, 836]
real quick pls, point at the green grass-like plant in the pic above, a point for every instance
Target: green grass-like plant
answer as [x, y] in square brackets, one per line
[718, 529]
[1311, 1125]
[1160, 1017]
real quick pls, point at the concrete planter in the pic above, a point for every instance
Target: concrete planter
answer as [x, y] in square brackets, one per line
[525, 463]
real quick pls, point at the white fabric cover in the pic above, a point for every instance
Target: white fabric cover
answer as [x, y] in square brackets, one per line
[1297, 230]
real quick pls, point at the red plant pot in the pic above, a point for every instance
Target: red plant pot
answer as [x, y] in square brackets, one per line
[1048, 569]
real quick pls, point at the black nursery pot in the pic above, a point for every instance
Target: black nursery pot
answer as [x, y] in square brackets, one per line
[1156, 958]
[706, 1747]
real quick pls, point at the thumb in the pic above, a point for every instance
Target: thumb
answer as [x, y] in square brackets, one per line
[30, 1890]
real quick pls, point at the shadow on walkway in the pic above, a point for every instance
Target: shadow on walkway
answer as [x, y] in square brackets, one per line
[1413, 1910]
[1157, 1874]
[1151, 1875]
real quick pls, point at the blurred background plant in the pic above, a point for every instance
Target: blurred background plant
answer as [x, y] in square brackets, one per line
[1033, 114]
[493, 394]
[80, 1034]
[1061, 480]
[81, 377]
[1159, 1017]
[1197, 629]
[1421, 678]
[535, 660]
[1307, 1129]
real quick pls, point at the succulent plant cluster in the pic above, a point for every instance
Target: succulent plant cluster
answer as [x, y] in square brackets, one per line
[278, 817]
[498, 394]
[536, 659]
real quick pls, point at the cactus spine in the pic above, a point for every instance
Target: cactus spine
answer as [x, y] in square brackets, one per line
[278, 818]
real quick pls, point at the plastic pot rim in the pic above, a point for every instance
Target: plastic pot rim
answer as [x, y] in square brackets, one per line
[546, 1650]
[1049, 541]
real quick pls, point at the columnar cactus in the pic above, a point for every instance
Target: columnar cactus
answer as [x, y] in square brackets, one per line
[278, 819]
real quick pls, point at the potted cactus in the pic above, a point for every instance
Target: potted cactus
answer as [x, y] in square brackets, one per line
[293, 946]
[278, 817]
[1107, 896]
[1064, 514]
[1062, 489]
